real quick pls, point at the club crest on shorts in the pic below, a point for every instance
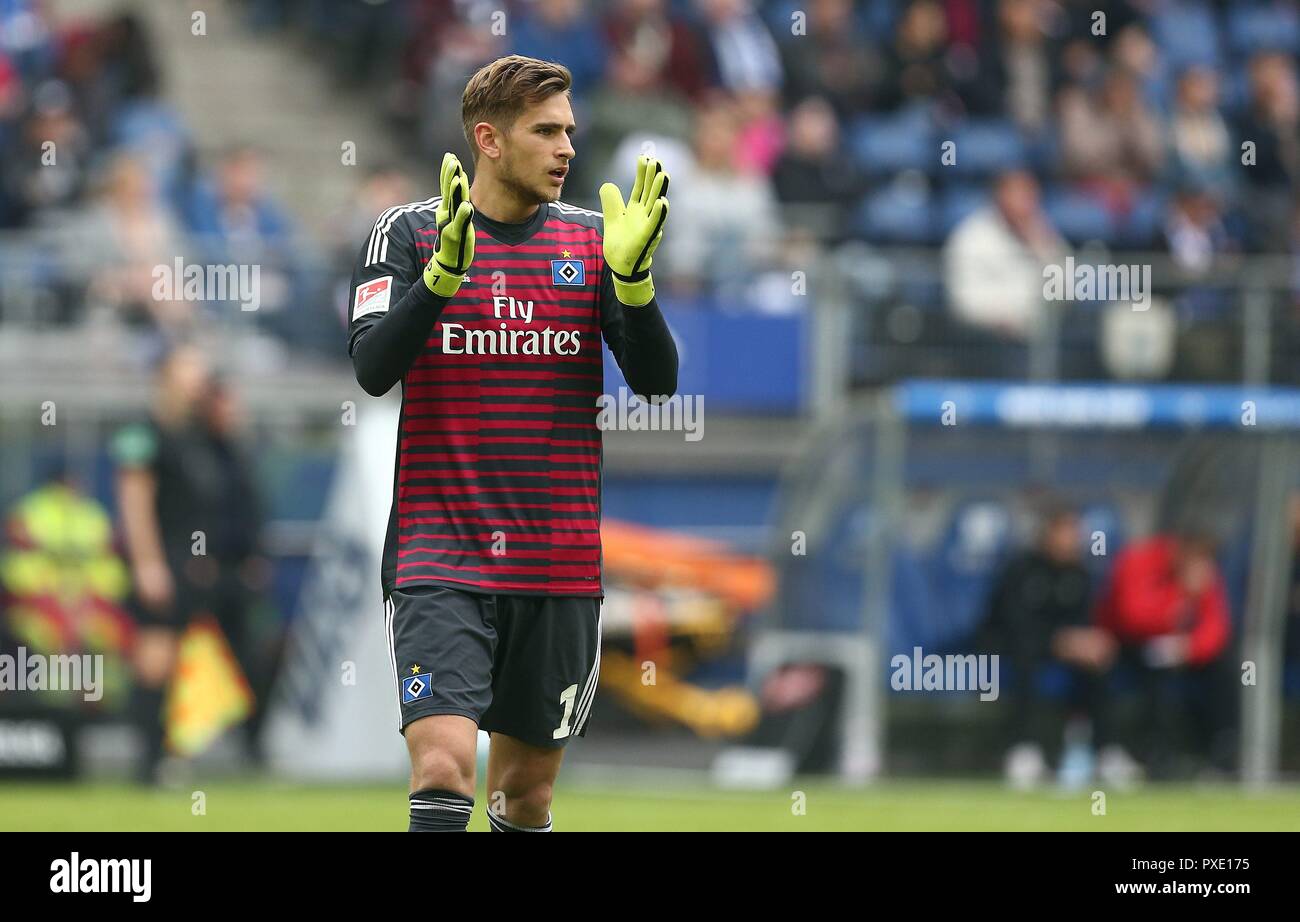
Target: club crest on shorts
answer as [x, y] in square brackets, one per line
[415, 687]
[568, 272]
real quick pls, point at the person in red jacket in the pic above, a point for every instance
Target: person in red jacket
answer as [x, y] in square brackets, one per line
[1166, 606]
[1166, 597]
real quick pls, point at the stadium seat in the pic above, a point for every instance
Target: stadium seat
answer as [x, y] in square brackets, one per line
[1140, 227]
[899, 213]
[1275, 27]
[1079, 217]
[956, 204]
[1186, 33]
[963, 565]
[988, 146]
[888, 144]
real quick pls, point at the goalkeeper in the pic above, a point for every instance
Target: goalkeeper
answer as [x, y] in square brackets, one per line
[489, 304]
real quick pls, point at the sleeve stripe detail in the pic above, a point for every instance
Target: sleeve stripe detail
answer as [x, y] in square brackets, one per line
[377, 248]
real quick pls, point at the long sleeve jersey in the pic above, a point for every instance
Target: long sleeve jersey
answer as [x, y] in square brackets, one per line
[498, 474]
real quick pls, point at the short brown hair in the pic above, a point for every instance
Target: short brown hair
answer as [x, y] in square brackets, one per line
[499, 92]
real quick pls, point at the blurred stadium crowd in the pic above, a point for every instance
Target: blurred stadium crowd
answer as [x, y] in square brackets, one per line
[101, 171]
[797, 127]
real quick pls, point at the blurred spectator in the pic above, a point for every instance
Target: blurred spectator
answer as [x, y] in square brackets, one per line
[467, 42]
[47, 161]
[11, 93]
[630, 103]
[1079, 63]
[744, 55]
[234, 546]
[236, 217]
[63, 585]
[658, 46]
[1024, 59]
[1014, 72]
[168, 487]
[1166, 605]
[365, 40]
[237, 221]
[814, 172]
[994, 259]
[761, 135]
[1038, 619]
[1201, 146]
[381, 189]
[1271, 124]
[562, 30]
[1194, 229]
[119, 244]
[128, 68]
[1136, 54]
[914, 68]
[1110, 141]
[724, 220]
[834, 60]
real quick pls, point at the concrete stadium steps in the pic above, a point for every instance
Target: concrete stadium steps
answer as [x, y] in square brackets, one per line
[234, 86]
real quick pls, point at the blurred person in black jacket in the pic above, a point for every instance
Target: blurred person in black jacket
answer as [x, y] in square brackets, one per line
[813, 172]
[243, 572]
[1039, 615]
[168, 497]
[191, 521]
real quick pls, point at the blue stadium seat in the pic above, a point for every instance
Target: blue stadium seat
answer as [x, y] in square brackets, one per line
[777, 17]
[1234, 90]
[882, 17]
[988, 146]
[899, 213]
[911, 604]
[1078, 217]
[1140, 227]
[1186, 33]
[888, 144]
[957, 203]
[962, 566]
[1275, 27]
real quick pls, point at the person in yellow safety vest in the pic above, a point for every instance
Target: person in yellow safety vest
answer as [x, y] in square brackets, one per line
[63, 582]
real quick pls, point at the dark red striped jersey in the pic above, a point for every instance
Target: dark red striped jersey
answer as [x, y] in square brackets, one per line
[498, 474]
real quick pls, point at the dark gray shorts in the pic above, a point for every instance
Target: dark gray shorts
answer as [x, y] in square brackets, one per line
[525, 666]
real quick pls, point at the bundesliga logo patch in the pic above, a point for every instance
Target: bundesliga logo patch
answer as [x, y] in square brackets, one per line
[415, 687]
[568, 272]
[372, 296]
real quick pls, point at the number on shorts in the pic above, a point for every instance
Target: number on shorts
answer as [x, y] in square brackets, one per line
[566, 699]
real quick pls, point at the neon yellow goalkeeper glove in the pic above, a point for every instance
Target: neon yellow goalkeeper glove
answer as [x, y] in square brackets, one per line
[455, 216]
[633, 231]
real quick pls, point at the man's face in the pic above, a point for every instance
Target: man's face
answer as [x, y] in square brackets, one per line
[1061, 538]
[536, 151]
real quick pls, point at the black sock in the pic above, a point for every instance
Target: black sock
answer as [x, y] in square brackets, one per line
[147, 715]
[440, 811]
[501, 824]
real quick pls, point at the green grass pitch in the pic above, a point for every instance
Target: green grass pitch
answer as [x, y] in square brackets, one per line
[889, 806]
